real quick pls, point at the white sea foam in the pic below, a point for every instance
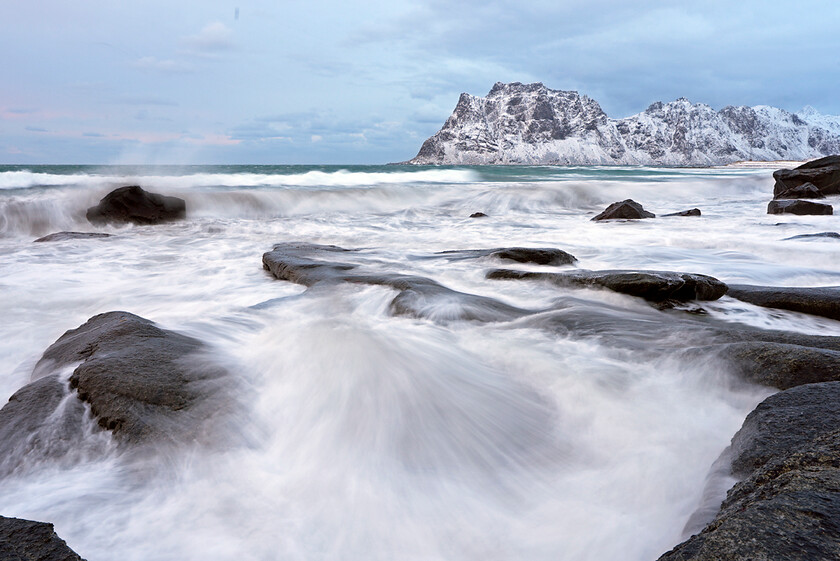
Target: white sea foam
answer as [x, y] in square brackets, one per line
[369, 436]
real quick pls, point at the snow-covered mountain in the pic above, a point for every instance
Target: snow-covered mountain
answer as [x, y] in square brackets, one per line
[531, 124]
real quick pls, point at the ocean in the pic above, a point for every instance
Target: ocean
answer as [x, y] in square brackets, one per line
[361, 434]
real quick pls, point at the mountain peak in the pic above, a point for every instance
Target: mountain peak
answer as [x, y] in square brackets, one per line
[520, 123]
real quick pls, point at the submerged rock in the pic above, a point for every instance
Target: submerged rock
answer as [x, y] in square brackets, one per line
[830, 235]
[478, 215]
[133, 204]
[656, 286]
[26, 540]
[692, 212]
[804, 191]
[824, 174]
[624, 210]
[310, 265]
[61, 236]
[141, 382]
[791, 206]
[788, 504]
[819, 301]
[535, 255]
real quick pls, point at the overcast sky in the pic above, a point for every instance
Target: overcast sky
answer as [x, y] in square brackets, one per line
[328, 81]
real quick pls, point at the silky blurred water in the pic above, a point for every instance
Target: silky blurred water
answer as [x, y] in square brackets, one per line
[369, 436]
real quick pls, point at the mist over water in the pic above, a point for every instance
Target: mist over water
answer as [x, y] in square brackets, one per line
[358, 434]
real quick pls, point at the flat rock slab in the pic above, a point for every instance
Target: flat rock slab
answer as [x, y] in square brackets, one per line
[799, 207]
[819, 301]
[656, 286]
[780, 365]
[320, 265]
[133, 204]
[788, 506]
[26, 540]
[692, 212]
[823, 173]
[627, 209]
[62, 236]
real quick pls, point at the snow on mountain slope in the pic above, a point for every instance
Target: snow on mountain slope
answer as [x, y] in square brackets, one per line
[531, 124]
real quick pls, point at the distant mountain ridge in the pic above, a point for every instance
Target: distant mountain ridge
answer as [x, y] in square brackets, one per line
[532, 124]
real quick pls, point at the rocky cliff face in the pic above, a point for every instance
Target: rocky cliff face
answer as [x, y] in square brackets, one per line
[531, 124]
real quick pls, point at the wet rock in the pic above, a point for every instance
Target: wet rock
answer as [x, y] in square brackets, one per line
[692, 212]
[788, 505]
[784, 422]
[823, 173]
[536, 255]
[820, 301]
[478, 215]
[780, 365]
[804, 191]
[790, 206]
[133, 204]
[61, 236]
[828, 235]
[26, 540]
[624, 210]
[141, 382]
[656, 286]
[293, 262]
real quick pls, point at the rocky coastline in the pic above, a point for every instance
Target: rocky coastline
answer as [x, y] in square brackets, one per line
[140, 384]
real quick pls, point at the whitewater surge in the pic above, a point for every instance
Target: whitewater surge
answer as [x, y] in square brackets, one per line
[361, 434]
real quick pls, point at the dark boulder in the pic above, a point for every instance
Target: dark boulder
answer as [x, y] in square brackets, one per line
[624, 210]
[804, 191]
[306, 263]
[141, 382]
[823, 173]
[692, 212]
[132, 204]
[478, 215]
[656, 286]
[61, 236]
[819, 301]
[792, 206]
[26, 540]
[788, 504]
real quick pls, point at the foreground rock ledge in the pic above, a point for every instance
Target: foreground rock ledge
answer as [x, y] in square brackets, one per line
[818, 301]
[788, 504]
[132, 204]
[143, 383]
[25, 540]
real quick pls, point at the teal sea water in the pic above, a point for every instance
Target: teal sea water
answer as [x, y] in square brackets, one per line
[361, 434]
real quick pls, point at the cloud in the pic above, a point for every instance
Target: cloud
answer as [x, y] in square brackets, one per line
[93, 134]
[213, 38]
[167, 66]
[36, 129]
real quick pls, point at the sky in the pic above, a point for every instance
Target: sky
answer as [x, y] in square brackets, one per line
[337, 82]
